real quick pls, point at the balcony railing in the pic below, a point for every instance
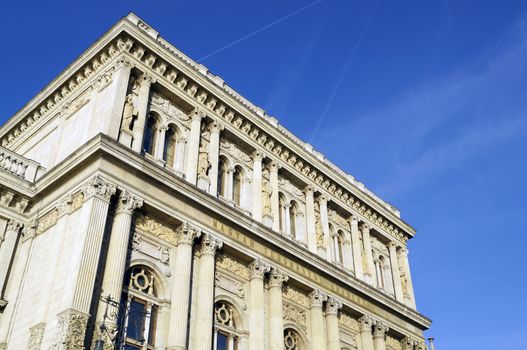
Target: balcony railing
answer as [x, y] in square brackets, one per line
[19, 166]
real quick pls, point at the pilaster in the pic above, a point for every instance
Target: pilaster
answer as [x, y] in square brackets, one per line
[193, 146]
[145, 81]
[333, 305]
[256, 304]
[317, 299]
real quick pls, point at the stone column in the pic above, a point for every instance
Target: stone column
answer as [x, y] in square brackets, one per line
[181, 265]
[256, 304]
[145, 81]
[275, 206]
[379, 331]
[347, 254]
[403, 259]
[324, 220]
[215, 129]
[160, 142]
[365, 324]
[366, 240]
[276, 319]
[119, 85]
[356, 247]
[191, 171]
[287, 220]
[78, 291]
[317, 319]
[118, 249]
[7, 250]
[332, 323]
[431, 341]
[257, 157]
[205, 294]
[396, 275]
[229, 190]
[310, 220]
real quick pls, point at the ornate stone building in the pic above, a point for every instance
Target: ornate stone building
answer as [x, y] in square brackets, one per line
[139, 176]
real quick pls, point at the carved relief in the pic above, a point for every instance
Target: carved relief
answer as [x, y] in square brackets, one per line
[71, 330]
[150, 225]
[228, 263]
[295, 315]
[297, 297]
[36, 334]
[170, 109]
[47, 221]
[231, 286]
[288, 187]
[266, 197]
[236, 153]
[393, 344]
[130, 114]
[349, 322]
[203, 162]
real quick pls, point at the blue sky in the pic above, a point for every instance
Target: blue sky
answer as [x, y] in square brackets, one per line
[423, 101]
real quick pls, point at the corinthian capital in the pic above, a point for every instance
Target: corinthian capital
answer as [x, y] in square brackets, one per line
[317, 298]
[209, 244]
[277, 278]
[146, 79]
[186, 233]
[259, 268]
[333, 305]
[309, 189]
[100, 188]
[407, 343]
[197, 114]
[365, 323]
[14, 226]
[274, 166]
[379, 329]
[365, 227]
[215, 127]
[257, 156]
[128, 202]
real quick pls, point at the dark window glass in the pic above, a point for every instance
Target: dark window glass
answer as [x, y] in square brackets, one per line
[136, 318]
[222, 343]
[150, 133]
[153, 324]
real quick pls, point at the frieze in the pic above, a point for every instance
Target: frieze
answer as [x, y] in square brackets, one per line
[393, 344]
[295, 315]
[236, 153]
[349, 322]
[170, 109]
[228, 263]
[297, 297]
[154, 227]
[288, 187]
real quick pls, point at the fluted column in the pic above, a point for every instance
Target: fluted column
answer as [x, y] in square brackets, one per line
[366, 240]
[403, 259]
[214, 156]
[145, 81]
[160, 142]
[276, 319]
[365, 326]
[356, 247]
[275, 207]
[257, 157]
[392, 246]
[191, 172]
[181, 265]
[256, 304]
[332, 323]
[317, 319]
[324, 220]
[310, 219]
[7, 249]
[118, 247]
[379, 331]
[205, 295]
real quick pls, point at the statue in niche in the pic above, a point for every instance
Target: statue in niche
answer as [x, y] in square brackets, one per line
[320, 233]
[203, 162]
[129, 114]
[266, 198]
[404, 284]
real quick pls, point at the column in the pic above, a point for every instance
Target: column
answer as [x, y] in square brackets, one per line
[78, 291]
[160, 142]
[257, 157]
[366, 240]
[256, 304]
[276, 319]
[379, 331]
[287, 219]
[230, 186]
[395, 272]
[323, 205]
[310, 219]
[431, 341]
[7, 250]
[347, 255]
[145, 81]
[191, 171]
[118, 249]
[403, 259]
[214, 156]
[275, 207]
[332, 323]
[119, 85]
[181, 265]
[365, 324]
[317, 319]
[205, 294]
[356, 247]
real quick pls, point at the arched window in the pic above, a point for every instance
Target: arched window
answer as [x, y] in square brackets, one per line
[138, 323]
[292, 341]
[222, 177]
[282, 212]
[169, 151]
[237, 182]
[293, 212]
[150, 135]
[225, 327]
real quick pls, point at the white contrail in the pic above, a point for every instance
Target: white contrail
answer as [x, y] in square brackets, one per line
[343, 73]
[257, 31]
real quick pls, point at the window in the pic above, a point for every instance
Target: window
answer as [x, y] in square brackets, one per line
[150, 135]
[292, 340]
[282, 212]
[169, 151]
[222, 177]
[141, 305]
[293, 211]
[225, 332]
[237, 180]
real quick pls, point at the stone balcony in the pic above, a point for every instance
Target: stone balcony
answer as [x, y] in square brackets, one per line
[19, 166]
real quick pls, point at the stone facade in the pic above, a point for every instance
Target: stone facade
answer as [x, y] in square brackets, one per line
[139, 176]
